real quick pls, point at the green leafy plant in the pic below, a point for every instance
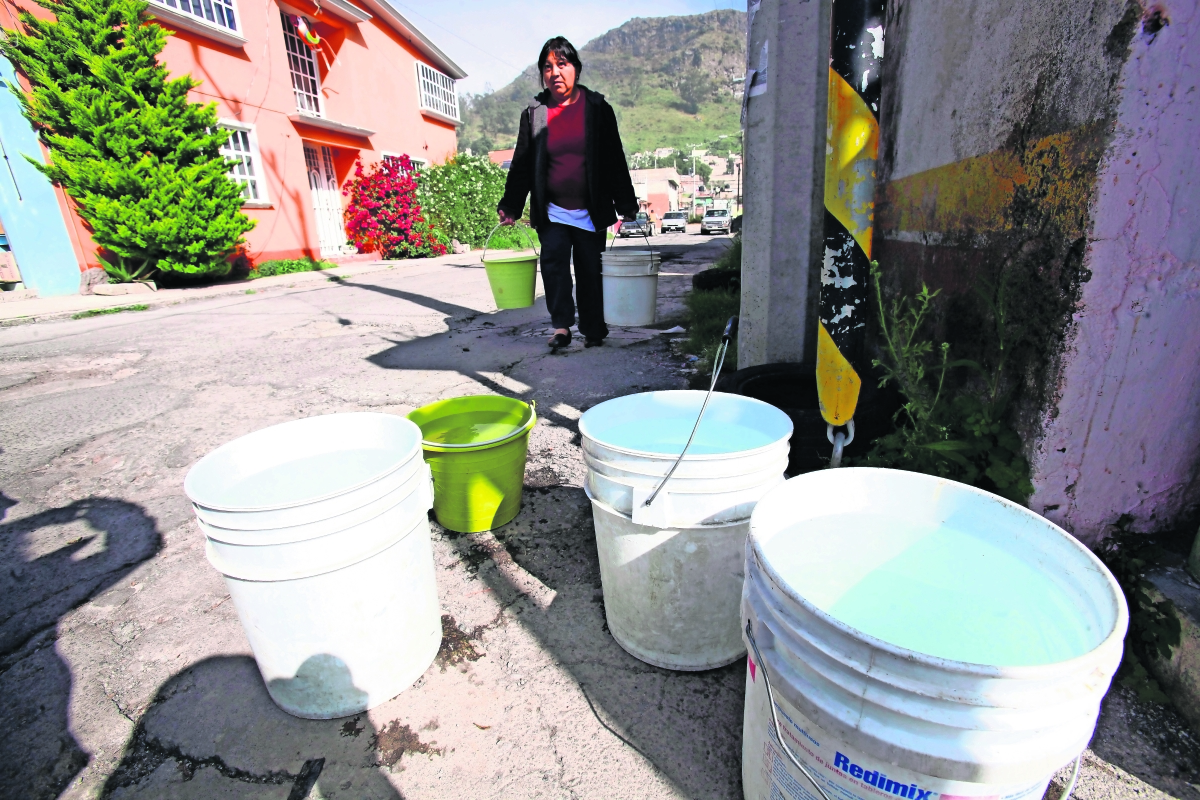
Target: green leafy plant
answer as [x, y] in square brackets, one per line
[708, 313]
[460, 197]
[1153, 627]
[962, 435]
[287, 266]
[732, 257]
[141, 162]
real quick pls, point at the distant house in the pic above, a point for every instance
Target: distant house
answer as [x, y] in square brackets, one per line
[502, 157]
[364, 83]
[657, 189]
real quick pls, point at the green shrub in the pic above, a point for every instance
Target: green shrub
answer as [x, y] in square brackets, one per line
[286, 266]
[460, 196]
[708, 312]
[141, 162]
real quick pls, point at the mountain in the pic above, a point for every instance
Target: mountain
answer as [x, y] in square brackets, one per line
[674, 82]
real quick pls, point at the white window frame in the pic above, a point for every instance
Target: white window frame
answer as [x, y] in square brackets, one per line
[437, 95]
[225, 25]
[419, 163]
[260, 178]
[292, 40]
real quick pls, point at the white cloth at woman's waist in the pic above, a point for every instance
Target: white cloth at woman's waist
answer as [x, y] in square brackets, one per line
[576, 218]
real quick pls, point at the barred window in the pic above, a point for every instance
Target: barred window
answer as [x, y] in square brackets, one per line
[218, 12]
[436, 92]
[242, 150]
[306, 79]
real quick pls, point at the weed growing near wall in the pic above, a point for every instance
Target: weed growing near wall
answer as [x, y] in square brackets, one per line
[708, 313]
[1153, 628]
[141, 162]
[461, 195]
[948, 427]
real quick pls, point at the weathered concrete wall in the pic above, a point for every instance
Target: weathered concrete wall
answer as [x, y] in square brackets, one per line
[1123, 435]
[1007, 169]
[784, 183]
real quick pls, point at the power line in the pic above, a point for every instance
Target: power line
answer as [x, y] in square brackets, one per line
[456, 36]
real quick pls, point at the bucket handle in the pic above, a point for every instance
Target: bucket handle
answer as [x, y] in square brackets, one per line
[644, 236]
[528, 240]
[1066, 795]
[731, 330]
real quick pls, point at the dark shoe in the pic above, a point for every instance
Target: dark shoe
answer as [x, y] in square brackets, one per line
[560, 340]
[593, 342]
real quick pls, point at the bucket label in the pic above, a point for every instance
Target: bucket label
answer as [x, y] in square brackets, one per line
[843, 772]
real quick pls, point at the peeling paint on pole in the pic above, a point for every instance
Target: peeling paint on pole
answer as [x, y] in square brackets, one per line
[852, 146]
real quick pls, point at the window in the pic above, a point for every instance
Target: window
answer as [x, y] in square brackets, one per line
[217, 12]
[306, 79]
[418, 163]
[242, 149]
[436, 93]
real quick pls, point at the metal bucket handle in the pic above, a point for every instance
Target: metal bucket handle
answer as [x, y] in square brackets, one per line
[644, 236]
[731, 330]
[528, 240]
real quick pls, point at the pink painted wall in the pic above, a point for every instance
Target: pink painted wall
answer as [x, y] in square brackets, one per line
[369, 81]
[1124, 434]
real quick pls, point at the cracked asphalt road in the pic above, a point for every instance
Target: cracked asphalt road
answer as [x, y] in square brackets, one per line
[124, 672]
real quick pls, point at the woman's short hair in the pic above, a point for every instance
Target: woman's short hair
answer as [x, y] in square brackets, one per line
[560, 47]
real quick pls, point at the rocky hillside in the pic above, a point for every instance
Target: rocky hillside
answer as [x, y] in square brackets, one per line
[674, 81]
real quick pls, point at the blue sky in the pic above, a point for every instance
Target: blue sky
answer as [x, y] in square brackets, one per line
[493, 40]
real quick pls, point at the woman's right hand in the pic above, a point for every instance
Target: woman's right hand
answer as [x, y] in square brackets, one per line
[505, 219]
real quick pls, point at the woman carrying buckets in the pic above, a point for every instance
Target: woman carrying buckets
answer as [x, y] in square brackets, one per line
[570, 159]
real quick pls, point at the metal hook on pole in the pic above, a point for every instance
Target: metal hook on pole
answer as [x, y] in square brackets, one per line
[839, 441]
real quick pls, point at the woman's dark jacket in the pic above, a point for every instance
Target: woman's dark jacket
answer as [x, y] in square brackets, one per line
[608, 184]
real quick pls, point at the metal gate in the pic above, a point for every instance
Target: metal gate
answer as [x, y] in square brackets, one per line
[327, 201]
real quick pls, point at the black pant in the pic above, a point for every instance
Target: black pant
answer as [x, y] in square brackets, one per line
[558, 242]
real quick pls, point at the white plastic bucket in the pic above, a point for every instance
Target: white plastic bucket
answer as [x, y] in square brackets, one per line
[740, 451]
[338, 597]
[629, 300]
[632, 268]
[1020, 629]
[672, 578]
[671, 595]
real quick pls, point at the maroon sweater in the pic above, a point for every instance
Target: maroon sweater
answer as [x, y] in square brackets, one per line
[566, 183]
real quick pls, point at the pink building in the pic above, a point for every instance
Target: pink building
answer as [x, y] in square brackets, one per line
[306, 90]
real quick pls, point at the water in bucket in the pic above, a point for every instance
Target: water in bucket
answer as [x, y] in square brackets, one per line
[933, 589]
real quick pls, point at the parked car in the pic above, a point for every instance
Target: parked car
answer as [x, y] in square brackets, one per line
[716, 220]
[674, 221]
[642, 226]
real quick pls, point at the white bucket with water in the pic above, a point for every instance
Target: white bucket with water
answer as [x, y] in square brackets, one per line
[338, 598]
[672, 572]
[922, 639]
[629, 300]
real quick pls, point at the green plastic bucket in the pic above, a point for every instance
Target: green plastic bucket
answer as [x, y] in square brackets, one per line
[512, 275]
[476, 447]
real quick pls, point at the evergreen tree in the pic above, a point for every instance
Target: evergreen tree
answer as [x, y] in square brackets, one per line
[141, 162]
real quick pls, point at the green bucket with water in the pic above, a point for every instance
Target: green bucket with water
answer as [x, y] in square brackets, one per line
[512, 275]
[476, 447]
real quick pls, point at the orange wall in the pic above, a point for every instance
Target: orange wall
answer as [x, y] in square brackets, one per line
[368, 80]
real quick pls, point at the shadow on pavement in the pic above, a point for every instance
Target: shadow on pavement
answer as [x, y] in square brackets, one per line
[212, 731]
[51, 563]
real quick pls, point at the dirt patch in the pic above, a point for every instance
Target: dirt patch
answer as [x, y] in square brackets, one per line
[457, 646]
[351, 728]
[395, 740]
